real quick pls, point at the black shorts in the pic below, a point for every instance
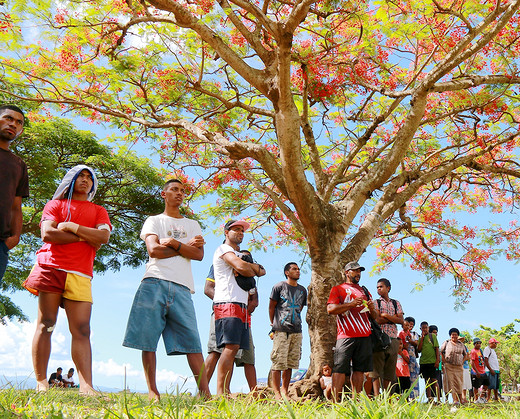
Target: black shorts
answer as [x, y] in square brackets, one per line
[477, 382]
[428, 371]
[355, 350]
[403, 384]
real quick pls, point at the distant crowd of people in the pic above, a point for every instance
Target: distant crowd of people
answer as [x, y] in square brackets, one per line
[73, 228]
[369, 364]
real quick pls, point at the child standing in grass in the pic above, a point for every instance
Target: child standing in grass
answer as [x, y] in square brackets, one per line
[402, 369]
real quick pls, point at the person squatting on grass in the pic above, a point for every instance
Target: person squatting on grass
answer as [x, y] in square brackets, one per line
[163, 304]
[73, 229]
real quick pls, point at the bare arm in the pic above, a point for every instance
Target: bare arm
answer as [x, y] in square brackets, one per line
[16, 223]
[241, 266]
[420, 344]
[252, 302]
[486, 363]
[343, 308]
[442, 356]
[167, 248]
[209, 289]
[194, 249]
[51, 234]
[272, 307]
[391, 318]
[261, 271]
[93, 236]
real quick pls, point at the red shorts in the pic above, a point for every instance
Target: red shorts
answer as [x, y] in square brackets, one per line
[70, 285]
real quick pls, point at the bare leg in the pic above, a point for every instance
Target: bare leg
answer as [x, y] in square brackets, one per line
[429, 390]
[196, 363]
[48, 305]
[376, 386]
[250, 373]
[357, 381]
[338, 382]
[150, 366]
[386, 384]
[225, 368]
[276, 378]
[78, 314]
[368, 386]
[211, 363]
[286, 379]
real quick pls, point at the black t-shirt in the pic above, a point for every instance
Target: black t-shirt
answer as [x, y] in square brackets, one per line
[291, 300]
[55, 376]
[14, 181]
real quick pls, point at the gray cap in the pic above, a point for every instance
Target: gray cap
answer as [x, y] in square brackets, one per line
[352, 266]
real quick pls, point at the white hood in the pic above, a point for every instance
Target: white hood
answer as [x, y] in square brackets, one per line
[68, 182]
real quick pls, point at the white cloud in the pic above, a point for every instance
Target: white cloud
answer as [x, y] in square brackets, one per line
[111, 368]
[15, 347]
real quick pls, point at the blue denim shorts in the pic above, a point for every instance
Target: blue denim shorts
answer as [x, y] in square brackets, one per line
[163, 308]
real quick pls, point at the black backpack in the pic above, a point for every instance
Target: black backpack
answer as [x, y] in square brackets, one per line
[380, 340]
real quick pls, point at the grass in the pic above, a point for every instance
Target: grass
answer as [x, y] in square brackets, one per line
[69, 404]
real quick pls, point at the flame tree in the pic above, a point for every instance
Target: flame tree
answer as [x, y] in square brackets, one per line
[342, 123]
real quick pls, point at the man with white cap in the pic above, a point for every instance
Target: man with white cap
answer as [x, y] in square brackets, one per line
[230, 300]
[492, 367]
[73, 229]
[352, 305]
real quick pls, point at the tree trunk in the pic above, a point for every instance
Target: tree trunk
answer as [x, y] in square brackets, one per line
[326, 273]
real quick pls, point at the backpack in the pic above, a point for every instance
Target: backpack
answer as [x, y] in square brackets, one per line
[380, 340]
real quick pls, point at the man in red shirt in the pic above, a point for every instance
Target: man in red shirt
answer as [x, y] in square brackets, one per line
[72, 228]
[352, 306]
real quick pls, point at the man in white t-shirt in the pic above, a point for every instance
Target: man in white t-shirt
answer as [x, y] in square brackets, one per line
[492, 367]
[163, 304]
[230, 300]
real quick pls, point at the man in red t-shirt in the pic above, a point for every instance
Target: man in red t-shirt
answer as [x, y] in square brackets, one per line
[73, 229]
[352, 306]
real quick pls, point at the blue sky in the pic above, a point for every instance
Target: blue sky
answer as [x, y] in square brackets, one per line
[113, 295]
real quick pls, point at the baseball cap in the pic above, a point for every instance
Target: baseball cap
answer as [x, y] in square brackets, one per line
[233, 223]
[352, 266]
[493, 340]
[476, 340]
